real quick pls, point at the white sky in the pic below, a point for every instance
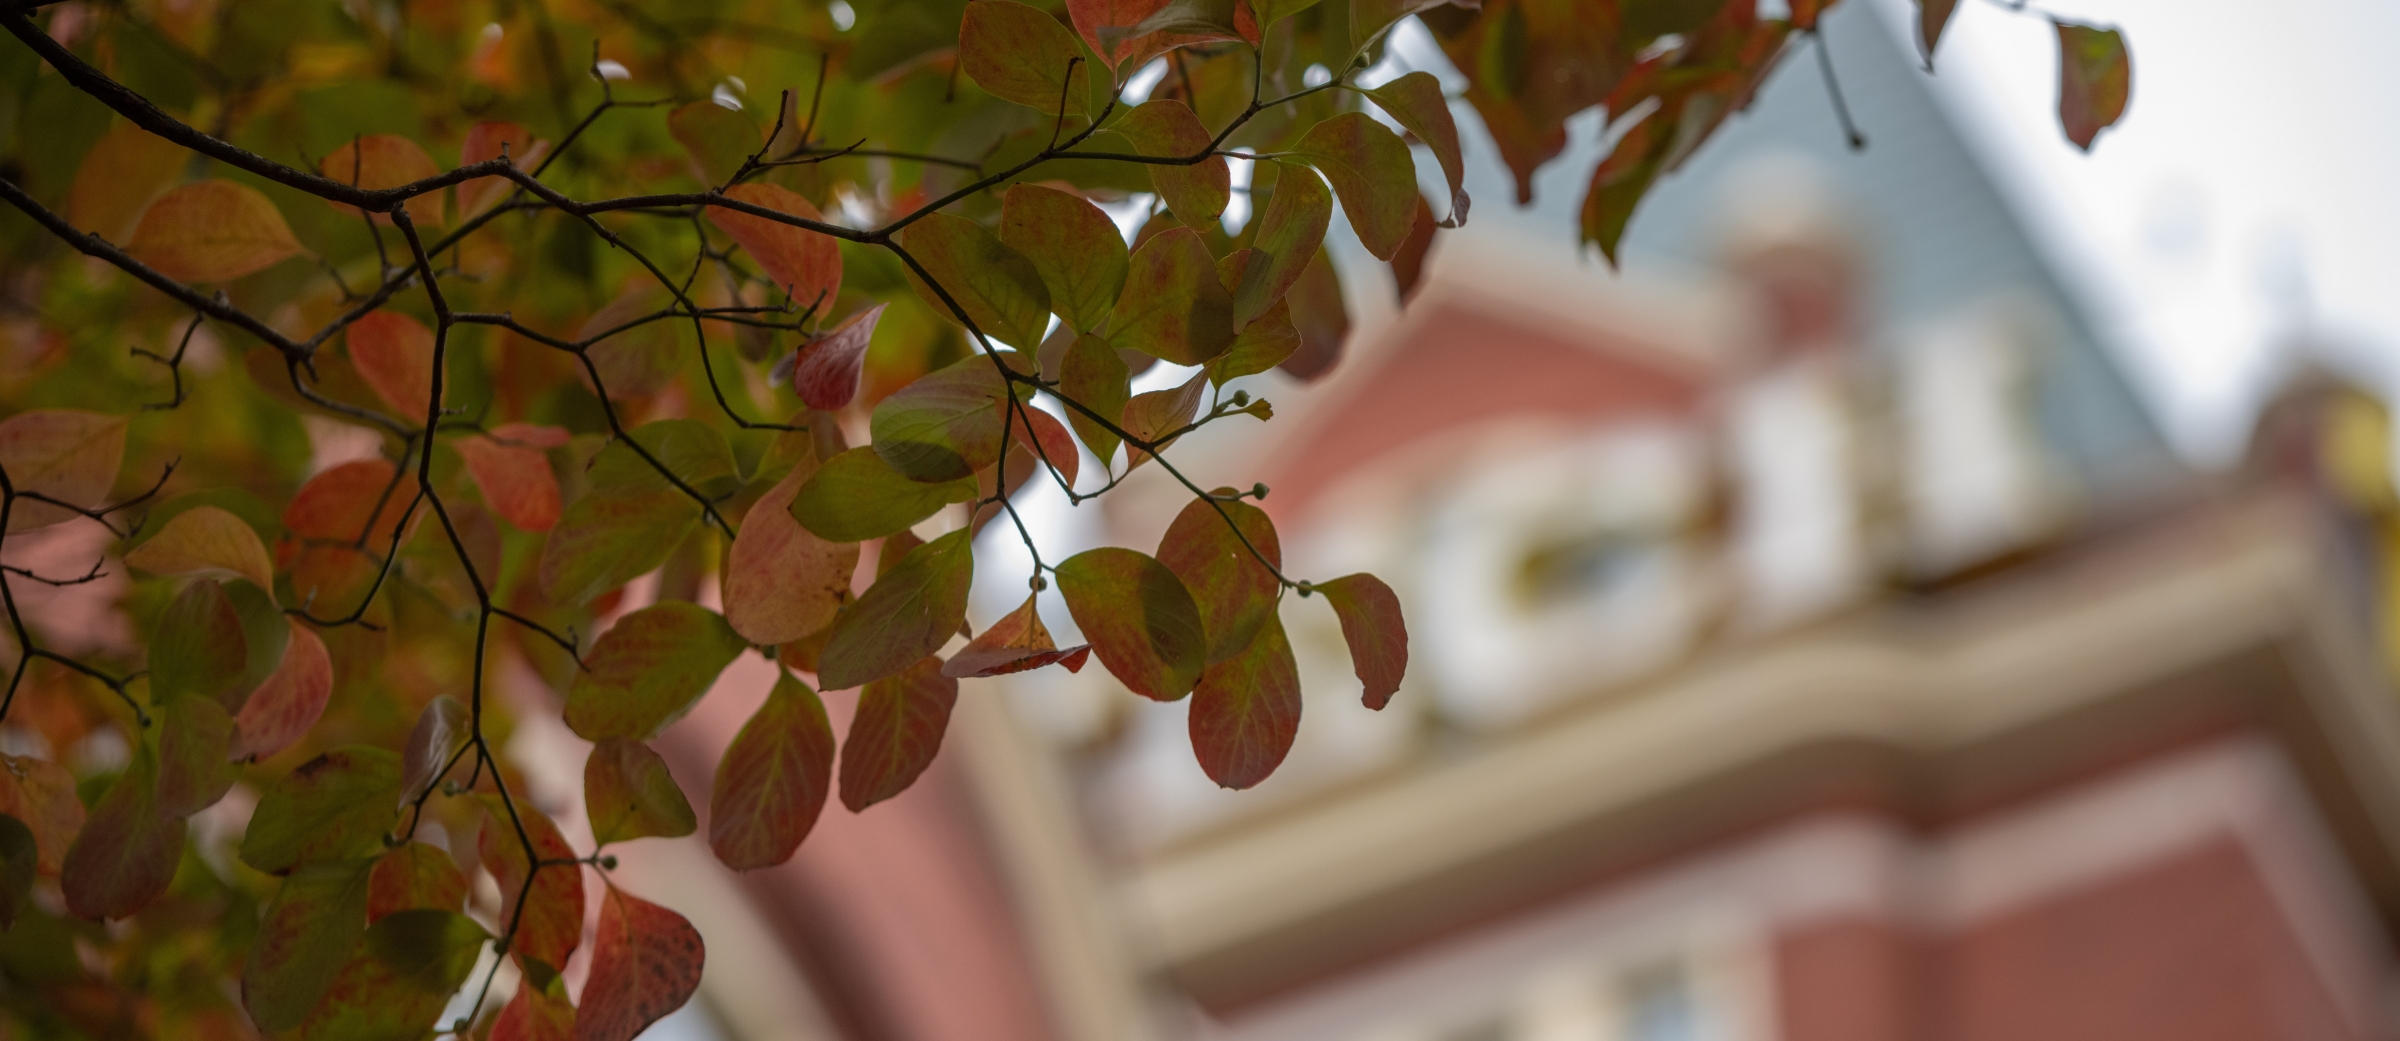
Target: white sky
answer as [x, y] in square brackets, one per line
[2246, 198]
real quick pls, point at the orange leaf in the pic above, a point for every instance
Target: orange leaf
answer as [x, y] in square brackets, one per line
[1236, 593]
[552, 922]
[394, 354]
[805, 264]
[896, 732]
[1045, 438]
[1013, 644]
[379, 161]
[212, 231]
[208, 542]
[646, 963]
[125, 169]
[42, 795]
[337, 528]
[1372, 626]
[514, 473]
[771, 783]
[283, 708]
[67, 455]
[490, 141]
[537, 1013]
[782, 582]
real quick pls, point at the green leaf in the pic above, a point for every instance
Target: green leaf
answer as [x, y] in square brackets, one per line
[1075, 247]
[946, 425]
[648, 670]
[20, 861]
[1094, 374]
[198, 649]
[693, 451]
[1322, 318]
[1270, 12]
[551, 924]
[1174, 308]
[895, 733]
[2095, 76]
[317, 919]
[195, 756]
[628, 794]
[1021, 54]
[1289, 233]
[415, 876]
[633, 517]
[126, 854]
[1370, 18]
[1371, 625]
[646, 962]
[908, 613]
[1139, 619]
[396, 987]
[1246, 711]
[1000, 291]
[1372, 171]
[772, 781]
[1620, 181]
[335, 807]
[717, 138]
[1416, 101]
[1235, 593]
[1266, 341]
[1197, 192]
[265, 635]
[856, 496]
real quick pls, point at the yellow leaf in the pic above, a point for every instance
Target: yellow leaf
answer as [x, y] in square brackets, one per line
[212, 231]
[379, 161]
[127, 168]
[206, 542]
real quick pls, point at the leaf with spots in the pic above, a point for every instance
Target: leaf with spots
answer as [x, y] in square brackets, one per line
[336, 806]
[646, 962]
[316, 920]
[1021, 54]
[415, 876]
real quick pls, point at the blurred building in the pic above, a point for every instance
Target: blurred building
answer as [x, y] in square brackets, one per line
[1811, 641]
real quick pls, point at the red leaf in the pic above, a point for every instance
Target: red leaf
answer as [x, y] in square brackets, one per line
[394, 354]
[41, 794]
[807, 265]
[1321, 317]
[486, 141]
[1110, 27]
[908, 614]
[629, 794]
[895, 733]
[1235, 593]
[826, 375]
[537, 1013]
[1247, 710]
[379, 161]
[412, 877]
[282, 709]
[2094, 78]
[1015, 643]
[782, 582]
[1372, 626]
[552, 921]
[1154, 415]
[126, 854]
[1139, 619]
[771, 783]
[646, 963]
[1045, 438]
[514, 474]
[212, 231]
[1408, 265]
[337, 529]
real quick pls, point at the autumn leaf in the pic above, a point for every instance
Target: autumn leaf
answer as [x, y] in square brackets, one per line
[488, 141]
[41, 794]
[1021, 54]
[334, 807]
[1932, 16]
[648, 670]
[205, 542]
[783, 581]
[1214, 546]
[1154, 415]
[646, 962]
[537, 1013]
[1015, 643]
[1042, 436]
[1373, 174]
[511, 469]
[549, 925]
[380, 161]
[198, 649]
[856, 496]
[126, 169]
[805, 265]
[127, 851]
[1140, 620]
[339, 528]
[1416, 101]
[1620, 181]
[1075, 248]
[284, 708]
[1246, 710]
[1166, 128]
[399, 979]
[772, 781]
[1408, 265]
[1322, 319]
[1093, 375]
[1371, 625]
[440, 734]
[1289, 233]
[2095, 77]
[212, 231]
[1119, 30]
[20, 860]
[63, 454]
[1266, 341]
[632, 517]
[825, 370]
[1001, 292]
[195, 756]
[1174, 308]
[946, 425]
[895, 733]
[909, 613]
[317, 919]
[394, 354]
[719, 140]
[628, 794]
[414, 876]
